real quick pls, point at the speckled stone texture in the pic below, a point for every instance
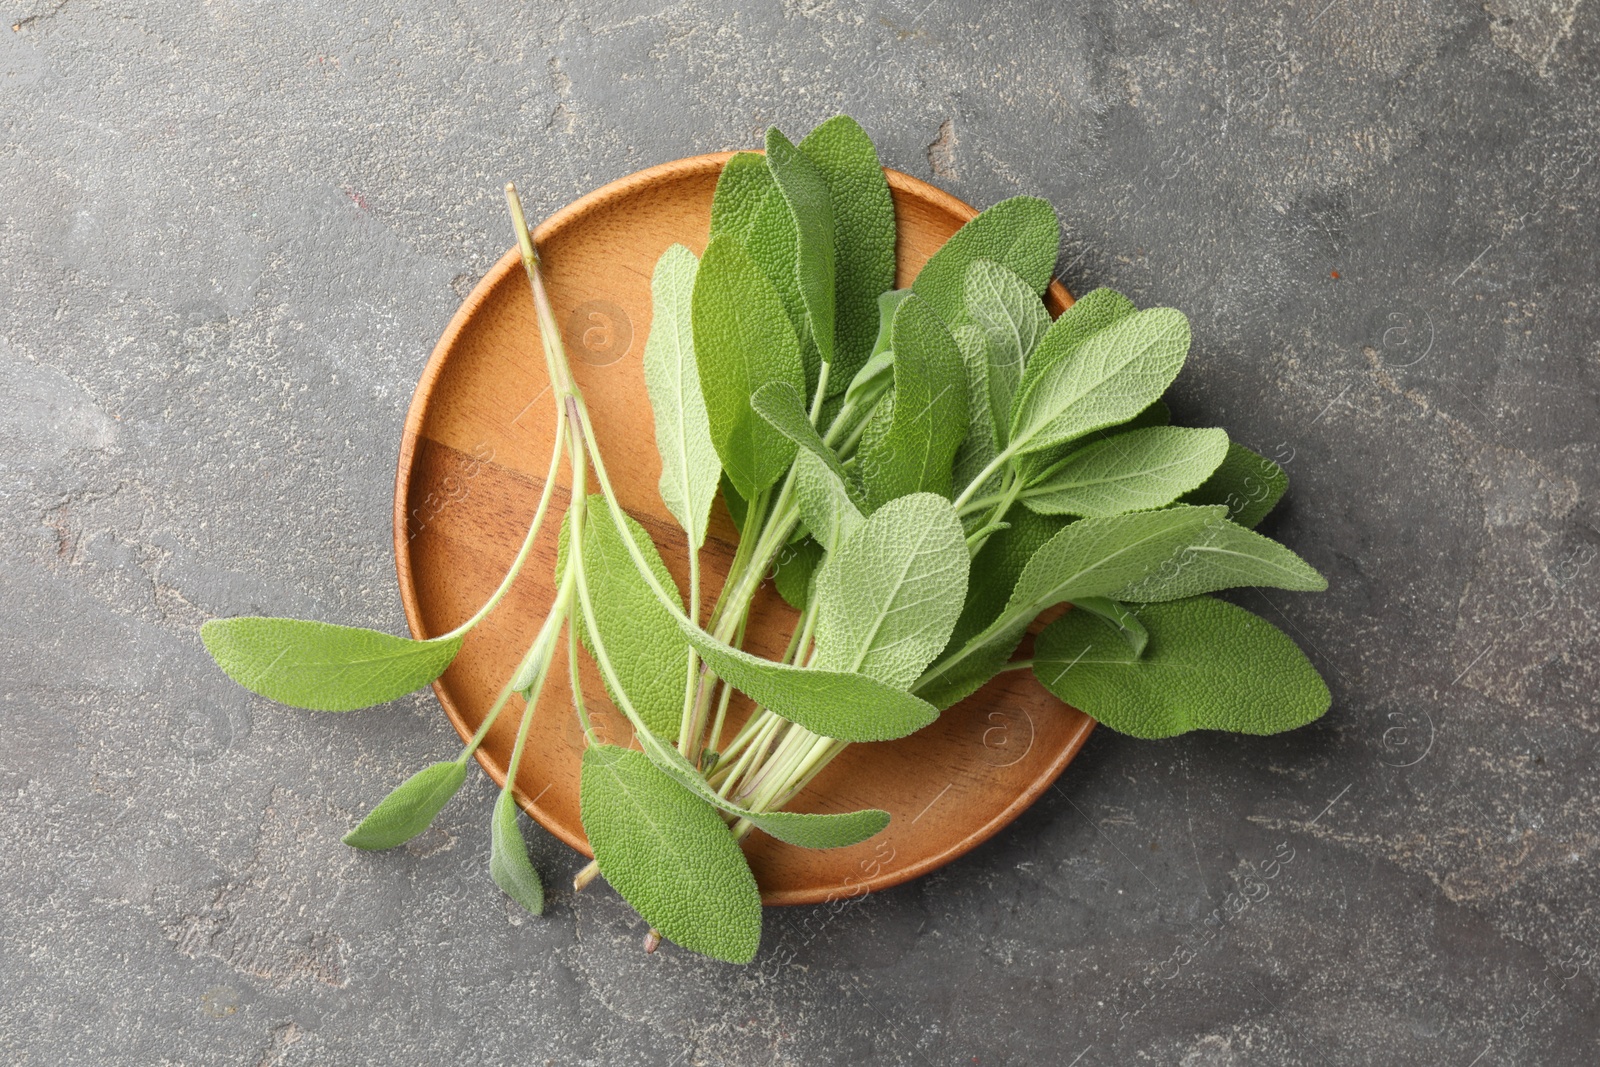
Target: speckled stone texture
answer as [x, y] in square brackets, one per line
[231, 233]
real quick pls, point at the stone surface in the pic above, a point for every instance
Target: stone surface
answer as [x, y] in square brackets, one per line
[232, 232]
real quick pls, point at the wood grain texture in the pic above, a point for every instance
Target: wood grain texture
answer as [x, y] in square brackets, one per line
[472, 462]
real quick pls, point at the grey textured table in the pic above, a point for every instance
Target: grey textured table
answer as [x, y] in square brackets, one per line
[232, 232]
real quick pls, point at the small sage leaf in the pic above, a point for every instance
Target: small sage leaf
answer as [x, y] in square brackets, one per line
[825, 493]
[1209, 666]
[889, 596]
[669, 855]
[689, 465]
[797, 564]
[1134, 471]
[509, 864]
[410, 808]
[910, 442]
[1247, 484]
[320, 666]
[1013, 320]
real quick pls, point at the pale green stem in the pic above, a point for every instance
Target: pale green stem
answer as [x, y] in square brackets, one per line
[983, 476]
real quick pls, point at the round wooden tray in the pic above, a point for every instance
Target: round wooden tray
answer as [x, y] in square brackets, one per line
[472, 463]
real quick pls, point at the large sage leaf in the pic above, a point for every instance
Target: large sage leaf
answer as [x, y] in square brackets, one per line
[509, 865]
[805, 190]
[1225, 556]
[1013, 320]
[888, 597]
[320, 666]
[910, 443]
[1020, 234]
[410, 808]
[1110, 378]
[642, 638]
[1209, 666]
[1247, 484]
[863, 237]
[1132, 471]
[742, 341]
[689, 465]
[669, 855]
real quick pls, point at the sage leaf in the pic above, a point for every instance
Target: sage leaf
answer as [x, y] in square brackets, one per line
[410, 808]
[669, 855]
[320, 666]
[742, 341]
[738, 507]
[1111, 377]
[839, 704]
[889, 596]
[982, 443]
[805, 190]
[1013, 320]
[646, 648]
[689, 466]
[863, 237]
[1225, 556]
[806, 830]
[1133, 471]
[910, 443]
[888, 303]
[1209, 666]
[797, 564]
[1021, 234]
[1118, 615]
[509, 864]
[824, 492]
[1247, 484]
[1093, 312]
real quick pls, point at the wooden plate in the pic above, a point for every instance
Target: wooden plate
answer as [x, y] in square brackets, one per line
[472, 464]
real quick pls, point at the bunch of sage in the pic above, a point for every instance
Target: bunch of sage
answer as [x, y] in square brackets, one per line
[922, 471]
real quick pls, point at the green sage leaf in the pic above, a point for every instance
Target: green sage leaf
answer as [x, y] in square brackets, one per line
[805, 190]
[1225, 556]
[1013, 320]
[1133, 471]
[1110, 378]
[1118, 615]
[410, 808]
[669, 855]
[824, 492]
[509, 864]
[797, 564]
[889, 596]
[1021, 234]
[910, 442]
[863, 237]
[320, 666]
[646, 647]
[690, 469]
[742, 341]
[1209, 666]
[1247, 484]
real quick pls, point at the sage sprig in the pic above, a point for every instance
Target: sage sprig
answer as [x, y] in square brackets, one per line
[923, 471]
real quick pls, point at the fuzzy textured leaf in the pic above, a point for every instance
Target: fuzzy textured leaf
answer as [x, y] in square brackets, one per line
[1013, 320]
[669, 855]
[509, 864]
[889, 596]
[1225, 556]
[910, 443]
[797, 563]
[646, 647]
[742, 341]
[824, 492]
[1021, 234]
[690, 468]
[1209, 666]
[1110, 378]
[1133, 471]
[320, 666]
[805, 190]
[410, 808]
[1247, 484]
[1120, 617]
[863, 238]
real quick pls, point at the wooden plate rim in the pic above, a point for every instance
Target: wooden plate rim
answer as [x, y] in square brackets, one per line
[1057, 298]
